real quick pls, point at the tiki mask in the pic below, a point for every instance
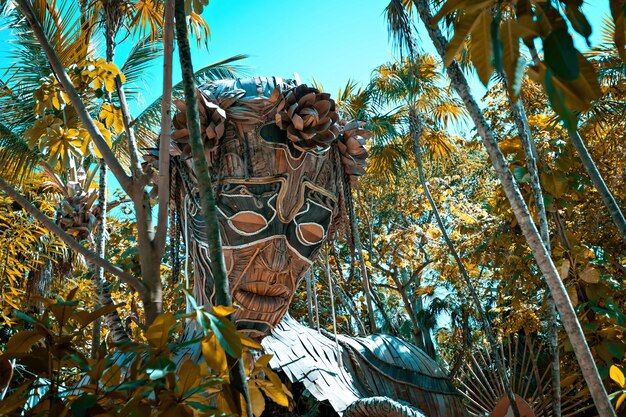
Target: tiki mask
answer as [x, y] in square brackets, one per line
[279, 158]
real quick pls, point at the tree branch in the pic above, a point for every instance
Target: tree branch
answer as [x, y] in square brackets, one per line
[166, 120]
[69, 240]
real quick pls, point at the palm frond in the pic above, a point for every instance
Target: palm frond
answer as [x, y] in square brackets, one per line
[399, 27]
[140, 57]
[147, 124]
[17, 160]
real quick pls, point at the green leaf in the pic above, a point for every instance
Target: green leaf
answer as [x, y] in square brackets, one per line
[81, 406]
[227, 335]
[557, 100]
[560, 54]
[496, 43]
[160, 368]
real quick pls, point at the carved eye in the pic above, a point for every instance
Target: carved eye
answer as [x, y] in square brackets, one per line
[248, 222]
[310, 233]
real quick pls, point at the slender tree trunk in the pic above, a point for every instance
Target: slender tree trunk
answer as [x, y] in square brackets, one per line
[531, 155]
[149, 259]
[559, 293]
[592, 170]
[358, 247]
[113, 321]
[166, 127]
[416, 129]
[207, 197]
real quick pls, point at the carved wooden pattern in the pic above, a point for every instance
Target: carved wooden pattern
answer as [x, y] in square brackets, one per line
[279, 188]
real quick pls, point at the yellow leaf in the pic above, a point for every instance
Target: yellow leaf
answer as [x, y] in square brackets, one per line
[213, 354]
[563, 269]
[258, 402]
[617, 375]
[461, 30]
[274, 393]
[590, 275]
[620, 401]
[22, 341]
[159, 330]
[223, 311]
[188, 376]
[480, 49]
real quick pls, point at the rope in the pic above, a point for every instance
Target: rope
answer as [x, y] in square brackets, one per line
[332, 309]
[317, 311]
[186, 269]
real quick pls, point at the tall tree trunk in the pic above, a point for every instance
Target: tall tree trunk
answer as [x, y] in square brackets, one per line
[592, 170]
[416, 129]
[559, 293]
[113, 321]
[531, 156]
[166, 127]
[149, 288]
[207, 196]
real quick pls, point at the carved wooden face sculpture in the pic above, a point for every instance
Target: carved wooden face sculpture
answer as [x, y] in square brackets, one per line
[279, 183]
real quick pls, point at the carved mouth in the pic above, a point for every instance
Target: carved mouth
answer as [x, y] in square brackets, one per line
[262, 297]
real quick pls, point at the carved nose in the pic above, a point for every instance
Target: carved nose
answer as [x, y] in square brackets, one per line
[276, 256]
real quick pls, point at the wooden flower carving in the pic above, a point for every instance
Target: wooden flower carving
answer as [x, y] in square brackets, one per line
[212, 123]
[351, 146]
[308, 117]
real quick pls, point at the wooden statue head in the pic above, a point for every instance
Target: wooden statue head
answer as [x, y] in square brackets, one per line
[281, 163]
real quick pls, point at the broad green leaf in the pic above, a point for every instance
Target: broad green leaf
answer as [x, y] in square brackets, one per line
[560, 54]
[557, 101]
[496, 43]
[227, 335]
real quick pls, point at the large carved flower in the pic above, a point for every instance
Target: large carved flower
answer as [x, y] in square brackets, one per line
[308, 117]
[212, 123]
[351, 146]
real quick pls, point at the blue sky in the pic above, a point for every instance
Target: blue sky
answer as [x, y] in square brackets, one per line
[331, 40]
